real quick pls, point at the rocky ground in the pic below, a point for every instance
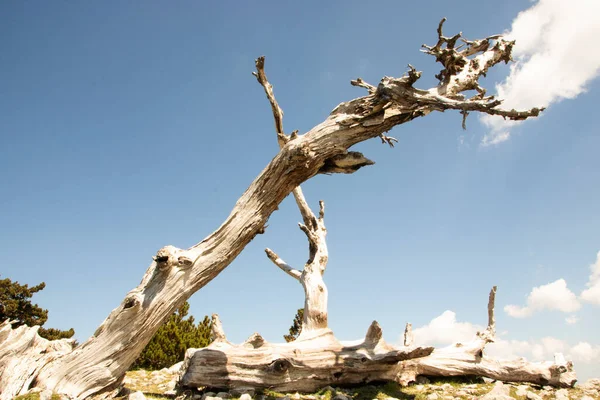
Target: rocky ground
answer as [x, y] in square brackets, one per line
[161, 385]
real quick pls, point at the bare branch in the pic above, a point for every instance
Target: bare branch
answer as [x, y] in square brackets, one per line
[294, 273]
[261, 77]
[360, 83]
[388, 139]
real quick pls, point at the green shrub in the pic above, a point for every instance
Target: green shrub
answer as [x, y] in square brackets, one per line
[16, 306]
[296, 327]
[169, 343]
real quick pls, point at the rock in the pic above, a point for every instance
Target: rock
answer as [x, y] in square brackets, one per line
[170, 392]
[208, 394]
[446, 387]
[586, 397]
[340, 396]
[224, 395]
[419, 387]
[175, 368]
[210, 398]
[522, 390]
[499, 392]
[532, 396]
[240, 391]
[423, 380]
[136, 396]
[432, 396]
[562, 394]
[488, 380]
[245, 396]
[591, 386]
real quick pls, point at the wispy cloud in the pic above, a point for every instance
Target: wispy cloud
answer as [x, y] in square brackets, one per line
[592, 294]
[555, 58]
[571, 320]
[553, 296]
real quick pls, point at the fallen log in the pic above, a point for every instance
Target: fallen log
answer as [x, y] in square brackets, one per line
[469, 360]
[315, 360]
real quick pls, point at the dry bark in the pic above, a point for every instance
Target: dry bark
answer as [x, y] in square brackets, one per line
[469, 360]
[175, 274]
[314, 360]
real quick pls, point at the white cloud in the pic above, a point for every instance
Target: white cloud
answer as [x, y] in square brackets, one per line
[494, 138]
[573, 319]
[444, 329]
[592, 294]
[555, 58]
[585, 352]
[553, 296]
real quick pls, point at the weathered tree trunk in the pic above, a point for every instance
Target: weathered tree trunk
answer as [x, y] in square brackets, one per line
[23, 353]
[314, 360]
[100, 363]
[469, 360]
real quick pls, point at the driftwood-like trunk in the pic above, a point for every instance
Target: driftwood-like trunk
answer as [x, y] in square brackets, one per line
[100, 363]
[469, 360]
[313, 361]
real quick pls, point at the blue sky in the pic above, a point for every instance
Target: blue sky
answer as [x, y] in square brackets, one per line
[126, 126]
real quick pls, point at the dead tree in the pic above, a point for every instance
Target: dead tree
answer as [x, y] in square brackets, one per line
[99, 364]
[316, 358]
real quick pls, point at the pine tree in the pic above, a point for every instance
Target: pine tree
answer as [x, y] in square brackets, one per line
[169, 343]
[296, 327]
[16, 306]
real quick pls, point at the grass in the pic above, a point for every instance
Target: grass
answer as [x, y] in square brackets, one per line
[35, 396]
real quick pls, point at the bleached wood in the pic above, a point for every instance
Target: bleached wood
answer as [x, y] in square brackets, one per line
[23, 353]
[469, 360]
[408, 335]
[306, 364]
[99, 364]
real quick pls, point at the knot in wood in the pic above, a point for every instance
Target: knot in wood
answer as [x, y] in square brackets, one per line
[279, 366]
[131, 301]
[170, 256]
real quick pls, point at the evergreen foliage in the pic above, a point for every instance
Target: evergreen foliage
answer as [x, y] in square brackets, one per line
[169, 343]
[296, 327]
[16, 306]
